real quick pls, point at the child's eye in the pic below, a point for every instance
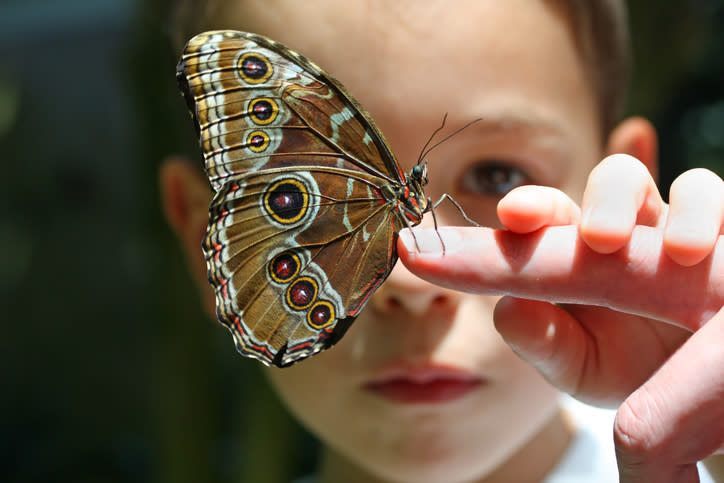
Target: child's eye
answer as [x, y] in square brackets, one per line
[492, 178]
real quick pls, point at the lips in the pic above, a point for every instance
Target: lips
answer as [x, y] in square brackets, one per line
[429, 384]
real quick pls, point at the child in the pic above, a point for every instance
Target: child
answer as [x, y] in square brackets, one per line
[423, 388]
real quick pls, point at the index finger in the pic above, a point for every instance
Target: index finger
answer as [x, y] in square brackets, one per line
[555, 265]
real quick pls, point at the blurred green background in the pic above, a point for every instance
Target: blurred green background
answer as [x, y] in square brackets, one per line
[108, 372]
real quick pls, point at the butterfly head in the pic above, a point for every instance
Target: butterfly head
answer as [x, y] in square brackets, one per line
[419, 174]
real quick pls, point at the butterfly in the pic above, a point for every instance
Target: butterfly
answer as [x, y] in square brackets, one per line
[308, 197]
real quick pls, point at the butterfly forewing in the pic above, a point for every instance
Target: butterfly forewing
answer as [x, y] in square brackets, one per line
[303, 223]
[259, 105]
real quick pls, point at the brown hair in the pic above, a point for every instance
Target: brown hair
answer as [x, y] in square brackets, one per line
[190, 17]
[599, 28]
[601, 33]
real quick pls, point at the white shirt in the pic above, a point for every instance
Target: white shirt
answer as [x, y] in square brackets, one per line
[590, 457]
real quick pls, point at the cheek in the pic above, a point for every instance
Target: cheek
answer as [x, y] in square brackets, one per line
[315, 390]
[299, 390]
[576, 183]
[576, 179]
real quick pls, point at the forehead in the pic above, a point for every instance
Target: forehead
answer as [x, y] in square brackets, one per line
[408, 60]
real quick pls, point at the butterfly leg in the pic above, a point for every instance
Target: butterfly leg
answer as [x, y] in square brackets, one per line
[457, 205]
[434, 219]
[409, 225]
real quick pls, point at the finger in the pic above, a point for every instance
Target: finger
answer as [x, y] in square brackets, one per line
[677, 417]
[695, 217]
[554, 265]
[546, 336]
[529, 208]
[583, 351]
[619, 195]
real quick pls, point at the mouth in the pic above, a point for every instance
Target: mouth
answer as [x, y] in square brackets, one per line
[427, 384]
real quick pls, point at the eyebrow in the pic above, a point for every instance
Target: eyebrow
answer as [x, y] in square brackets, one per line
[515, 121]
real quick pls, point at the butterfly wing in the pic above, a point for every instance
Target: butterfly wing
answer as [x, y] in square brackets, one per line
[258, 105]
[301, 230]
[289, 277]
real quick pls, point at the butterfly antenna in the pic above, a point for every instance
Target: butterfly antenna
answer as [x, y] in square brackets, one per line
[423, 151]
[426, 150]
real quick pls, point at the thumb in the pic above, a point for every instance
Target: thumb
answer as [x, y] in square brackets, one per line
[677, 417]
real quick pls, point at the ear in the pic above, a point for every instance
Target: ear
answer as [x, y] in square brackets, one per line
[636, 136]
[185, 196]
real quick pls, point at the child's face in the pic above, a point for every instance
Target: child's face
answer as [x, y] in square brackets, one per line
[515, 65]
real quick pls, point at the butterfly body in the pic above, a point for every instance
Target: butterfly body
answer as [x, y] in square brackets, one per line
[308, 198]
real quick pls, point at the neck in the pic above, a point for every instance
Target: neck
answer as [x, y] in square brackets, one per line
[532, 462]
[715, 465]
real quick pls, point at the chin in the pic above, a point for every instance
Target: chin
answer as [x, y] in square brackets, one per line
[432, 457]
[420, 470]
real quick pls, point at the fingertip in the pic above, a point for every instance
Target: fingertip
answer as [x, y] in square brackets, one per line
[428, 242]
[526, 325]
[511, 321]
[695, 216]
[688, 248]
[529, 208]
[604, 238]
[405, 242]
[504, 316]
[519, 210]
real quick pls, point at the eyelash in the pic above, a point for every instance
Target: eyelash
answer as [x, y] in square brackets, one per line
[493, 178]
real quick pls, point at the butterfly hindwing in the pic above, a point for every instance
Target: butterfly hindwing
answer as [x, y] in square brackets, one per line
[291, 263]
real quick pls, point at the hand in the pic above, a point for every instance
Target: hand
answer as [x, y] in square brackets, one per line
[603, 300]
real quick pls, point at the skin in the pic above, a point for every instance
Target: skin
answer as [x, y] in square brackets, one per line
[541, 128]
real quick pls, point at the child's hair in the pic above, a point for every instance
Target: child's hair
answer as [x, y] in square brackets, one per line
[599, 29]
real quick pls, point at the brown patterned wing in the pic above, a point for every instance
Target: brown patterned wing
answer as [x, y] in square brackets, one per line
[303, 225]
[258, 105]
[293, 256]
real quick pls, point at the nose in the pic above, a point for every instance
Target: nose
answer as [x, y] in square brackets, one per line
[405, 293]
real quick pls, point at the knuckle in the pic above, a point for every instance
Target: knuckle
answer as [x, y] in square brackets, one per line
[632, 429]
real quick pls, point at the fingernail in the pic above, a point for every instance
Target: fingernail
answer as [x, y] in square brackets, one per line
[429, 241]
